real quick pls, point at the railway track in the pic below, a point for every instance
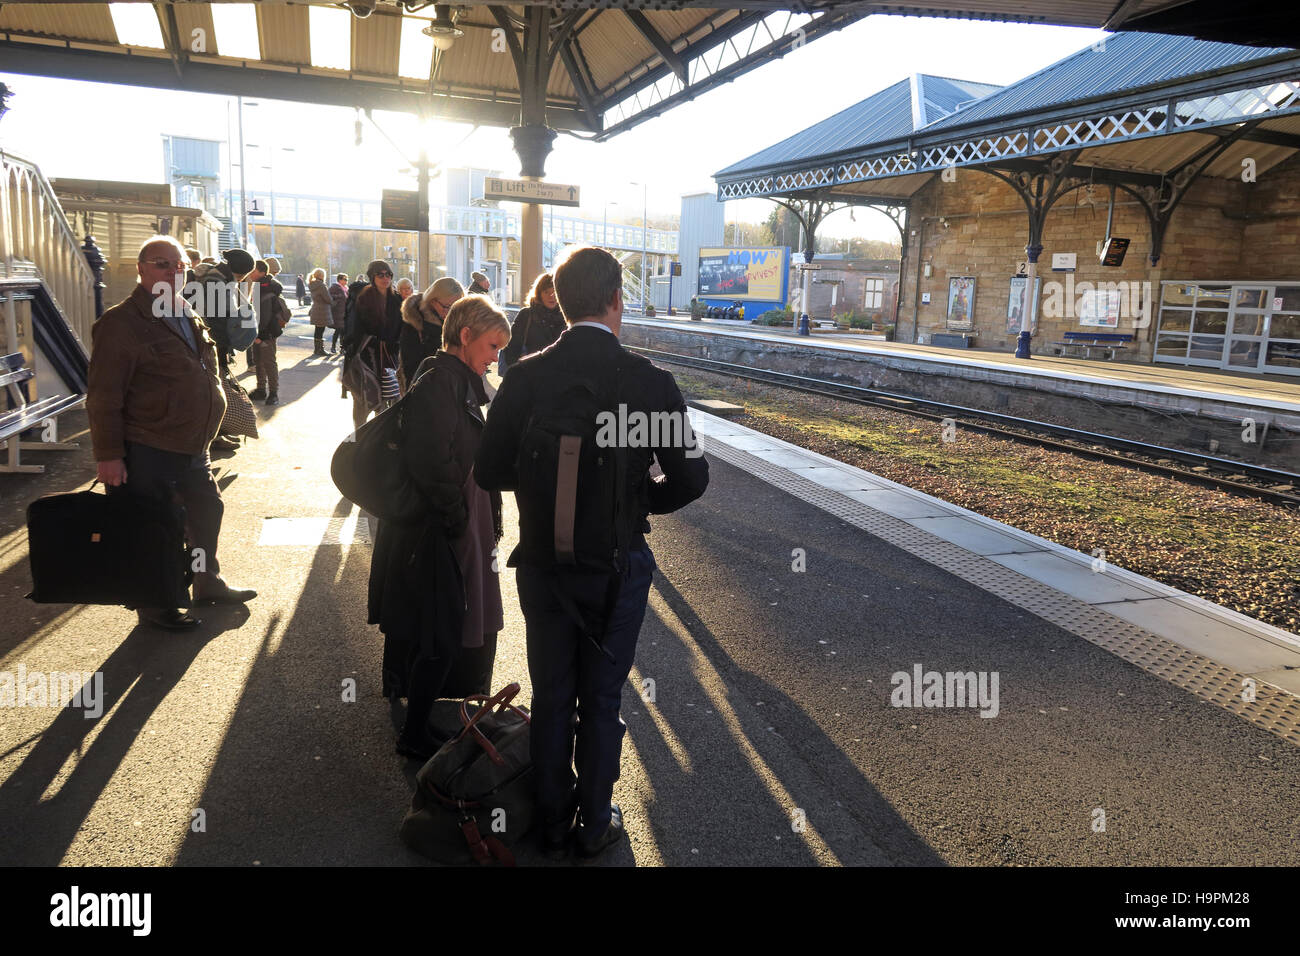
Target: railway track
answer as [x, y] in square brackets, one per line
[1207, 470]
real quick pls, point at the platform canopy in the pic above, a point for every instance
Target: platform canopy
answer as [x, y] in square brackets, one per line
[1135, 109]
[599, 67]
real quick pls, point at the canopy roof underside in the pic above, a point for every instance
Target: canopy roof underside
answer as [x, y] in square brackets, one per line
[608, 65]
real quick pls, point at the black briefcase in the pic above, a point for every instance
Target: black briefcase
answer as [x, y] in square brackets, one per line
[89, 548]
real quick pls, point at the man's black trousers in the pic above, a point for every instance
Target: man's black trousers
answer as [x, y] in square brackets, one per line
[571, 677]
[151, 471]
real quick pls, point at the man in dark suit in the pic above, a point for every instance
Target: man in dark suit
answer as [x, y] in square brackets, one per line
[584, 577]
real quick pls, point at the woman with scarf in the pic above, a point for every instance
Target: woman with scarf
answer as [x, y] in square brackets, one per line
[433, 591]
[422, 318]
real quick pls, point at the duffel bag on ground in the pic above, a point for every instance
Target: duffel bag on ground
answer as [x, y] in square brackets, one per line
[88, 548]
[474, 798]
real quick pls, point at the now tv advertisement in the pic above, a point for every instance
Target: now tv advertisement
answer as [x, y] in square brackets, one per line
[750, 273]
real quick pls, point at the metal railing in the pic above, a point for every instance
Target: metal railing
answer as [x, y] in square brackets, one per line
[36, 241]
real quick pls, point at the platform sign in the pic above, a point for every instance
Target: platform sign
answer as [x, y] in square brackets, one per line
[399, 209]
[526, 190]
[255, 208]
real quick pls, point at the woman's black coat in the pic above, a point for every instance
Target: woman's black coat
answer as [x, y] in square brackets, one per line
[415, 594]
[534, 328]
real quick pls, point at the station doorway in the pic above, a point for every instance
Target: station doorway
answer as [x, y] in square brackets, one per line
[1237, 326]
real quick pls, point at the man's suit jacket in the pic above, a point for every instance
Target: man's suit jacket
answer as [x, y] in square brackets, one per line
[588, 351]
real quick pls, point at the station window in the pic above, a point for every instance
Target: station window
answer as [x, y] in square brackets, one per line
[873, 294]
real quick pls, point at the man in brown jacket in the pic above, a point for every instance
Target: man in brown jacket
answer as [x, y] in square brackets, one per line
[155, 403]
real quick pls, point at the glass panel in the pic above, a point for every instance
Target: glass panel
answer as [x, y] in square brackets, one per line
[1213, 297]
[1208, 347]
[1171, 345]
[1215, 323]
[1290, 296]
[1253, 298]
[1248, 323]
[1284, 354]
[1175, 320]
[1285, 327]
[1243, 353]
[1176, 293]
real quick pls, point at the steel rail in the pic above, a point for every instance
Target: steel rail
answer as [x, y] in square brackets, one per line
[899, 403]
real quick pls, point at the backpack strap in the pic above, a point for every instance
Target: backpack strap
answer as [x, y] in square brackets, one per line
[566, 498]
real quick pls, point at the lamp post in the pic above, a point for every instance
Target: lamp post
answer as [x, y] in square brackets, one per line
[243, 178]
[645, 193]
[270, 167]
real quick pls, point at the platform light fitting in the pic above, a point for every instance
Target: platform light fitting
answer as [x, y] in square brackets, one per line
[443, 30]
[360, 8]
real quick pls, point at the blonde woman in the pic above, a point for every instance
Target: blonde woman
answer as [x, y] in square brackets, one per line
[433, 592]
[422, 317]
[322, 314]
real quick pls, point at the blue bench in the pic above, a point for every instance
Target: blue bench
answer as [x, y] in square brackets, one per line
[24, 415]
[1112, 342]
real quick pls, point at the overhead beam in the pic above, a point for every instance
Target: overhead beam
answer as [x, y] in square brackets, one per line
[488, 108]
[827, 23]
[662, 47]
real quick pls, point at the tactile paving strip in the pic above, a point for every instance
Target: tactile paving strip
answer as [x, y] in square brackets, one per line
[1273, 709]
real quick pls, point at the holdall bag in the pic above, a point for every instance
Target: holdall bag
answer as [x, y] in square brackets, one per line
[240, 419]
[126, 549]
[368, 469]
[359, 378]
[474, 798]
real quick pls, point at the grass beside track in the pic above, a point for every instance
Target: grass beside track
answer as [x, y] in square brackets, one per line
[1242, 553]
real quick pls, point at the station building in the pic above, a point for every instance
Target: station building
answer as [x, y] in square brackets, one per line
[1188, 149]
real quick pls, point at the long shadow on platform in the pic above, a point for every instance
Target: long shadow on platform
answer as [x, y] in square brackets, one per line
[137, 677]
[307, 773]
[748, 824]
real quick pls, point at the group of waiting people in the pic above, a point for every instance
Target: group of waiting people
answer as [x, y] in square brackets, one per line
[155, 403]
[434, 589]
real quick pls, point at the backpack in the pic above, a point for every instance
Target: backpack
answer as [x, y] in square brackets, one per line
[475, 795]
[219, 305]
[571, 491]
[368, 470]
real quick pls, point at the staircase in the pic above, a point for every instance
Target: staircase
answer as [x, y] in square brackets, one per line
[228, 238]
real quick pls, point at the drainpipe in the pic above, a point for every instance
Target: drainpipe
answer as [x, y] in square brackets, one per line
[916, 295]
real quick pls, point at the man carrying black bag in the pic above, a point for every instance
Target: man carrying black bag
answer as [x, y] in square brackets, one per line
[155, 403]
[583, 487]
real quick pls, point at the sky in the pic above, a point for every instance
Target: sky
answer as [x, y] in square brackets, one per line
[115, 132]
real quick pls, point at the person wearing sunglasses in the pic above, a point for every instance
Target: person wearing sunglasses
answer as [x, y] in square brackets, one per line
[155, 403]
[422, 317]
[379, 328]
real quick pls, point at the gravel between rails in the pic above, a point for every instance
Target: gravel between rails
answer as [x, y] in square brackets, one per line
[1239, 552]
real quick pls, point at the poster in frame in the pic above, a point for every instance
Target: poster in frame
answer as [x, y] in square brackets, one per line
[1015, 303]
[961, 303]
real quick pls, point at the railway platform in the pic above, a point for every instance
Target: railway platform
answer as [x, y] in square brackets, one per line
[1107, 721]
[1199, 410]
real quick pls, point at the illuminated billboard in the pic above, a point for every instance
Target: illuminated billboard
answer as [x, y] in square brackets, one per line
[752, 273]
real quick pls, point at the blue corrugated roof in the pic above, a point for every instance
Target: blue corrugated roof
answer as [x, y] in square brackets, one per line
[1126, 61]
[885, 115]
